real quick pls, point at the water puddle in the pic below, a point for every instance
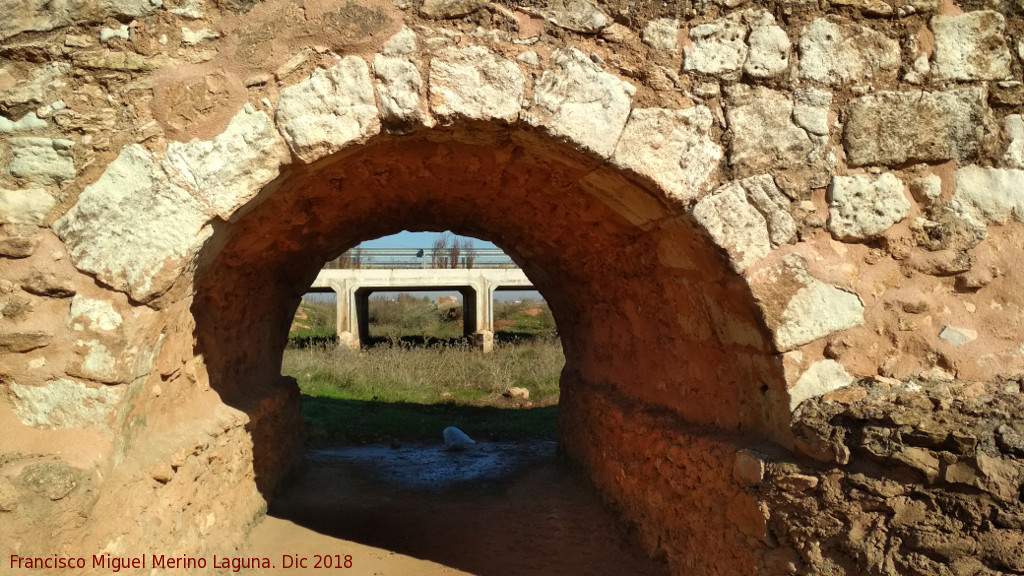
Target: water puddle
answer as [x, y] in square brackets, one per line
[431, 467]
[496, 509]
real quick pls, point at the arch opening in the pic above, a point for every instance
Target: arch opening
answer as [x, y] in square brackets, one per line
[662, 341]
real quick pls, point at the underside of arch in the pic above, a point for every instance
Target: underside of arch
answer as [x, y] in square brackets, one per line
[661, 338]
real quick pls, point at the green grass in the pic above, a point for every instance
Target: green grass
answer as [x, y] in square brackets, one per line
[397, 391]
[314, 322]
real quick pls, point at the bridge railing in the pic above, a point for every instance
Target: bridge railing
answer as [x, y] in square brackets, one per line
[417, 258]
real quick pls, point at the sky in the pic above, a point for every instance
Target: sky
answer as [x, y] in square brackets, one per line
[406, 239]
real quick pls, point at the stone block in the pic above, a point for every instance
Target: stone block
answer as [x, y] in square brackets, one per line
[863, 207]
[231, 169]
[47, 284]
[671, 147]
[662, 34]
[764, 134]
[717, 48]
[42, 160]
[734, 225]
[329, 111]
[443, 9]
[893, 128]
[799, 308]
[398, 85]
[26, 123]
[401, 44]
[820, 378]
[958, 336]
[769, 52]
[989, 195]
[65, 404]
[836, 52]
[21, 16]
[578, 101]
[765, 196]
[26, 206]
[1014, 155]
[136, 227]
[52, 480]
[970, 46]
[581, 16]
[811, 110]
[19, 342]
[476, 84]
[93, 315]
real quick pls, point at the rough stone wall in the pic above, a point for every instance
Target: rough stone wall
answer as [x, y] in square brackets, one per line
[919, 477]
[787, 197]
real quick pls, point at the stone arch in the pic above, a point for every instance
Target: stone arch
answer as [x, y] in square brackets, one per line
[696, 348]
[590, 196]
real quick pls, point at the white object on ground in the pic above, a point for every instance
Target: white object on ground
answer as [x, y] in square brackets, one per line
[455, 439]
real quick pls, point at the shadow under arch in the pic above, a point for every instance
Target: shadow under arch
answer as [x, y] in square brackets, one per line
[661, 339]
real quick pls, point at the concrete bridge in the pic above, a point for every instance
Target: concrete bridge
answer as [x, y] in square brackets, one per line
[477, 286]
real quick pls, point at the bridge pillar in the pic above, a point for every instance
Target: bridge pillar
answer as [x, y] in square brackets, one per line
[478, 315]
[362, 308]
[347, 324]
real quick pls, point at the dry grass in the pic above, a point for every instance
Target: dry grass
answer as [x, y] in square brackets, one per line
[446, 373]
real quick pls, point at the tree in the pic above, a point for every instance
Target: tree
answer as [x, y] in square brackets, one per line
[439, 251]
[468, 253]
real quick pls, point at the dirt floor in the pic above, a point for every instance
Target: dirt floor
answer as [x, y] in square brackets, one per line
[498, 509]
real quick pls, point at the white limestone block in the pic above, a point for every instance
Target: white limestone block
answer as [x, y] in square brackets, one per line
[90, 314]
[671, 147]
[811, 109]
[579, 101]
[766, 198]
[476, 84]
[820, 378]
[958, 336]
[1014, 155]
[136, 227]
[863, 207]
[401, 44]
[231, 169]
[662, 34]
[764, 134]
[191, 37]
[835, 52]
[990, 195]
[42, 160]
[769, 52]
[717, 48]
[799, 308]
[329, 111]
[26, 123]
[734, 225]
[28, 206]
[65, 403]
[582, 16]
[970, 46]
[398, 85]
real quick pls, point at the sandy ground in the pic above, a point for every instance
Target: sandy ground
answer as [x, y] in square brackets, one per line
[274, 538]
[499, 510]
